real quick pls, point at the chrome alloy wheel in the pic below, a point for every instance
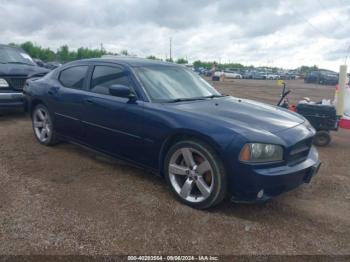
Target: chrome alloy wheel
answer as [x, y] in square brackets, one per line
[42, 125]
[191, 175]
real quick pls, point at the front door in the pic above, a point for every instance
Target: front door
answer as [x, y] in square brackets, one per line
[112, 124]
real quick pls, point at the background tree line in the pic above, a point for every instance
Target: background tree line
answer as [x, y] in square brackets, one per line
[64, 54]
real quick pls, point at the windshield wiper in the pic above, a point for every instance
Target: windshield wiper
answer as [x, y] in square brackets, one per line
[194, 98]
[21, 63]
[215, 96]
[185, 99]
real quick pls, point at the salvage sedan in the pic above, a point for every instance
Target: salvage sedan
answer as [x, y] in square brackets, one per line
[165, 118]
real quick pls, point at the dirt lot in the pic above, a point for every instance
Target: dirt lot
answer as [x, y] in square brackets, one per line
[66, 200]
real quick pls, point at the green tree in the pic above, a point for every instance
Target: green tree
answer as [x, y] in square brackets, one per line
[124, 52]
[153, 57]
[47, 55]
[306, 69]
[169, 60]
[63, 54]
[181, 61]
[31, 49]
[200, 63]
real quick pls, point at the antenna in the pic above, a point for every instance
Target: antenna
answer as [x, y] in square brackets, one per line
[170, 46]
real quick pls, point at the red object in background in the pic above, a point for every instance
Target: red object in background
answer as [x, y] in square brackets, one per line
[344, 123]
[292, 108]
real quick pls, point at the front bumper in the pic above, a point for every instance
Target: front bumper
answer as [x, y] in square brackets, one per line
[10, 100]
[261, 184]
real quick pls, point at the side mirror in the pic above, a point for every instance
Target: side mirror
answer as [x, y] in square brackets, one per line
[121, 91]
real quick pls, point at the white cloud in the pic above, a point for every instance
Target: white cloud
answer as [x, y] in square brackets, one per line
[283, 33]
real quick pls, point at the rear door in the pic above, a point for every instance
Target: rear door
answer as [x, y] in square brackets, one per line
[113, 124]
[66, 98]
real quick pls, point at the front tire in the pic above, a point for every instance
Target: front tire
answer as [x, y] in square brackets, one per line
[43, 126]
[195, 174]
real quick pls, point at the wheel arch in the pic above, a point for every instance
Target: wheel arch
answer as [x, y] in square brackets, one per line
[181, 135]
[34, 103]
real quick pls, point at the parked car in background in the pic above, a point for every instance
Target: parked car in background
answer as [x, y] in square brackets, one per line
[323, 77]
[218, 73]
[16, 66]
[204, 71]
[231, 74]
[208, 72]
[272, 76]
[163, 117]
[288, 76]
[39, 62]
[258, 75]
[49, 65]
[247, 74]
[52, 65]
[227, 74]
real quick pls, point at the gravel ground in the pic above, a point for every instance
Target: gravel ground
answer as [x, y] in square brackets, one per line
[67, 200]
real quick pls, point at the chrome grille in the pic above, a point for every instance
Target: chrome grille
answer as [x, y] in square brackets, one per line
[16, 82]
[299, 152]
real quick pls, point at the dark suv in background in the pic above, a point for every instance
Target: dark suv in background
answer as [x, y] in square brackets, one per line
[16, 66]
[322, 77]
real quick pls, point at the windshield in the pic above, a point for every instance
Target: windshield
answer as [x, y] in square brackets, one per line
[10, 55]
[169, 83]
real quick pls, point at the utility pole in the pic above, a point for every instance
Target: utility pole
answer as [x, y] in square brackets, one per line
[343, 108]
[341, 90]
[170, 46]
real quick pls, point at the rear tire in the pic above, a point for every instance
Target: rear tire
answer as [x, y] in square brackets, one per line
[43, 126]
[322, 138]
[195, 174]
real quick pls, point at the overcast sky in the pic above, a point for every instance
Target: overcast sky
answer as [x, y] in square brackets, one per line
[284, 33]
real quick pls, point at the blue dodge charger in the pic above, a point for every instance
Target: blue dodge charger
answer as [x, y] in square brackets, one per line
[165, 118]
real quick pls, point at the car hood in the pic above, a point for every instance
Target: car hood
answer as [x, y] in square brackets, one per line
[242, 113]
[21, 70]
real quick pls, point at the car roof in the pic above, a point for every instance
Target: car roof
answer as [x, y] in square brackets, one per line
[12, 47]
[127, 61]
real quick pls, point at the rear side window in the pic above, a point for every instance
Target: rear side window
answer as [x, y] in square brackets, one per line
[105, 76]
[73, 77]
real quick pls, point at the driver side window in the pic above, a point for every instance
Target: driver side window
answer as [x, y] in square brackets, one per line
[105, 76]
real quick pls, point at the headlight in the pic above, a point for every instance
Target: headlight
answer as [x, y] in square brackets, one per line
[3, 83]
[258, 152]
